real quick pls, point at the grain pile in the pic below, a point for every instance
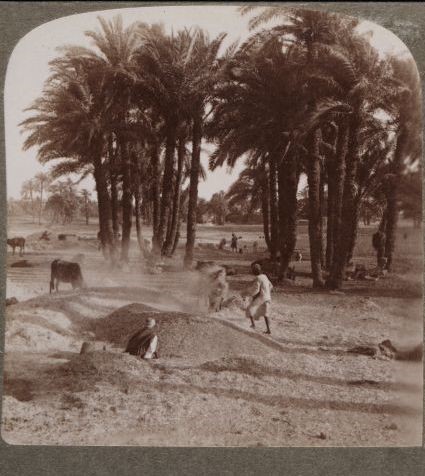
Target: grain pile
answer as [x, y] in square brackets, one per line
[180, 335]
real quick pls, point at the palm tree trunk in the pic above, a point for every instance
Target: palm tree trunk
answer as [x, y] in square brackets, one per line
[379, 245]
[169, 245]
[41, 203]
[354, 230]
[137, 206]
[86, 209]
[334, 280]
[104, 207]
[330, 217]
[156, 193]
[348, 207]
[322, 208]
[114, 191]
[169, 220]
[138, 219]
[166, 185]
[274, 220]
[32, 206]
[265, 210]
[288, 184]
[193, 190]
[127, 202]
[315, 215]
[392, 199]
[391, 226]
[177, 235]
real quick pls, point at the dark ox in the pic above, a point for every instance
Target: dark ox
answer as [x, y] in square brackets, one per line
[66, 272]
[17, 242]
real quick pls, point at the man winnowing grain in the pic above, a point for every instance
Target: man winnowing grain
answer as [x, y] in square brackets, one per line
[261, 298]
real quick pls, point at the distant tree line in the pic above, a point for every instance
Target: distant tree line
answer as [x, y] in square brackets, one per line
[55, 202]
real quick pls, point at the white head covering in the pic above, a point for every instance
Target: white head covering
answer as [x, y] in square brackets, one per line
[151, 322]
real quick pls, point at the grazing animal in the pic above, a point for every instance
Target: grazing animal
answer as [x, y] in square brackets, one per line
[66, 272]
[17, 242]
[11, 301]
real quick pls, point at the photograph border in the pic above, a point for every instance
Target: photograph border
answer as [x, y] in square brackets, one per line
[404, 19]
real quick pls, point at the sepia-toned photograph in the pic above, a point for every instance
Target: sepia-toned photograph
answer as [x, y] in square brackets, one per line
[214, 231]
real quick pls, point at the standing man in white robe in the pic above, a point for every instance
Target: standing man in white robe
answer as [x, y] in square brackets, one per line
[261, 298]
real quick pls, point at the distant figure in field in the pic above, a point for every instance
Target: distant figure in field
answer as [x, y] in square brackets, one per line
[297, 256]
[234, 243]
[45, 236]
[144, 343]
[261, 298]
[255, 247]
[66, 272]
[147, 245]
[17, 242]
[222, 244]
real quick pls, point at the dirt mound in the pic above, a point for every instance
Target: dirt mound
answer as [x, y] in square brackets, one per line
[83, 371]
[180, 335]
[257, 367]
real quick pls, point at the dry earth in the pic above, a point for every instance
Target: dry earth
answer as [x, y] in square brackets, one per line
[217, 383]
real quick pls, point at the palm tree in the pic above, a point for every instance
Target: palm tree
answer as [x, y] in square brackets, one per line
[204, 71]
[253, 115]
[27, 192]
[171, 235]
[41, 181]
[342, 69]
[114, 54]
[161, 85]
[70, 122]
[403, 104]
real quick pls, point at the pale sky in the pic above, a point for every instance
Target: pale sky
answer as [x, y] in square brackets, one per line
[28, 69]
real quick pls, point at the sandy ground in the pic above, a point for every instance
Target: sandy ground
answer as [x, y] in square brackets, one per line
[217, 382]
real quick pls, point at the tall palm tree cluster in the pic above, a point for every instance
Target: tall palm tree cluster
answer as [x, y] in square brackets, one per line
[309, 96]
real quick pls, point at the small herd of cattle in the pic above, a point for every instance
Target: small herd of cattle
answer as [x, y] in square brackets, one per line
[17, 242]
[60, 270]
[212, 284]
